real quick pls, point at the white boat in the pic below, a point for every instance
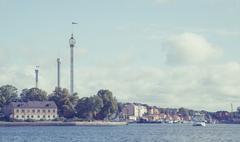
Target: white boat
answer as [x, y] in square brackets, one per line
[199, 120]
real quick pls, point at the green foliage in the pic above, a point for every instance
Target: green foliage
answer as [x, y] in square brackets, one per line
[120, 107]
[110, 105]
[100, 106]
[64, 101]
[33, 94]
[8, 93]
[89, 107]
[183, 111]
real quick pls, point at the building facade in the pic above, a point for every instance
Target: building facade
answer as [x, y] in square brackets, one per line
[153, 110]
[134, 111]
[34, 110]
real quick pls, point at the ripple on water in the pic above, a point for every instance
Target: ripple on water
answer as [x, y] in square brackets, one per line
[129, 133]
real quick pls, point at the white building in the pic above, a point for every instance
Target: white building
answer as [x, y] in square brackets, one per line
[35, 110]
[134, 111]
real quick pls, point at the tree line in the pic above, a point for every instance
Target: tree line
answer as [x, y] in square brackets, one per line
[102, 106]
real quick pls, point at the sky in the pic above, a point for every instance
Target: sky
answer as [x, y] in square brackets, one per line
[168, 53]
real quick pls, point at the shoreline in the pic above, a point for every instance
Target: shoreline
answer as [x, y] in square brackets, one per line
[60, 123]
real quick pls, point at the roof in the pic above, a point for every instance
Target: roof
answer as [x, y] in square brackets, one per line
[33, 104]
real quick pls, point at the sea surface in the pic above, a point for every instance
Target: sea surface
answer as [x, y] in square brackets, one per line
[128, 133]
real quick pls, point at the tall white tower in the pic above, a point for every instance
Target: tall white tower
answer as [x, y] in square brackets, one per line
[36, 76]
[58, 72]
[72, 43]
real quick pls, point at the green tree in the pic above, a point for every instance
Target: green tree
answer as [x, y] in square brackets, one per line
[33, 94]
[8, 93]
[64, 101]
[89, 107]
[183, 111]
[110, 105]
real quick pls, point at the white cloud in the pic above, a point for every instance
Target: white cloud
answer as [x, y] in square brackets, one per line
[200, 87]
[210, 87]
[190, 48]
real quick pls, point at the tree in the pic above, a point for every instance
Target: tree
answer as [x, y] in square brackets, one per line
[8, 93]
[64, 101]
[183, 111]
[110, 105]
[89, 107]
[120, 107]
[33, 94]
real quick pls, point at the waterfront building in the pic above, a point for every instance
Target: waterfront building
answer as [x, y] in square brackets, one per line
[153, 110]
[34, 110]
[177, 118]
[162, 116]
[153, 117]
[134, 111]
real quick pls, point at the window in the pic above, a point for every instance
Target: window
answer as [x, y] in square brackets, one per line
[54, 110]
[49, 110]
[38, 116]
[28, 116]
[48, 116]
[53, 116]
[43, 116]
[33, 111]
[43, 110]
[32, 116]
[23, 110]
[17, 110]
[17, 116]
[23, 116]
[38, 110]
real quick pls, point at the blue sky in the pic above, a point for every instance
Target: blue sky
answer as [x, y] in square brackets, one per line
[168, 53]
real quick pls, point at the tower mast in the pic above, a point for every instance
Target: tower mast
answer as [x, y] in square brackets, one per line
[36, 76]
[58, 72]
[72, 43]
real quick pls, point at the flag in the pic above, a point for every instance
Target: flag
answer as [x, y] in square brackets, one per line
[74, 23]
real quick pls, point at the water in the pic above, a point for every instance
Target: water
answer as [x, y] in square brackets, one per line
[129, 133]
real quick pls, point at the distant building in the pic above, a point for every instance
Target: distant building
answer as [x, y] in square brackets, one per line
[153, 117]
[153, 110]
[134, 111]
[35, 110]
[162, 116]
